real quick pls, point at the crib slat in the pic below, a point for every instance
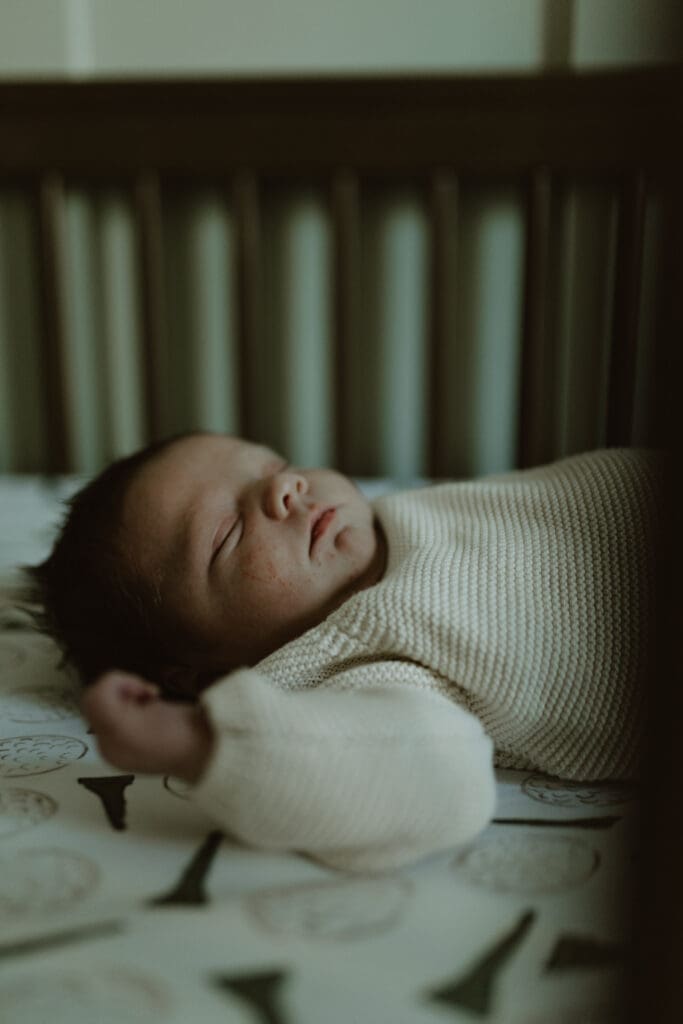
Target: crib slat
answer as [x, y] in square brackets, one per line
[626, 311]
[155, 343]
[249, 293]
[443, 203]
[56, 382]
[534, 437]
[346, 275]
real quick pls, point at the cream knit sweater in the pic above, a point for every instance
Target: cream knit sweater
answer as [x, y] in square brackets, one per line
[512, 619]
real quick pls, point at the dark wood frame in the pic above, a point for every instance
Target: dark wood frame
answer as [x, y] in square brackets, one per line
[436, 130]
[374, 125]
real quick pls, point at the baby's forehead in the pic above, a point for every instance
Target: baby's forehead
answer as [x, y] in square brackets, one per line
[190, 466]
[199, 450]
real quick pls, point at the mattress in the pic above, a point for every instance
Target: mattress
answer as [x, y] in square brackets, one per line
[121, 902]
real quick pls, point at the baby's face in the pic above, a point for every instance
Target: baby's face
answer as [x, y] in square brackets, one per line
[246, 551]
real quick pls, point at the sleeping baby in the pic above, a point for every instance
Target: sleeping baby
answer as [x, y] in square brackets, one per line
[338, 677]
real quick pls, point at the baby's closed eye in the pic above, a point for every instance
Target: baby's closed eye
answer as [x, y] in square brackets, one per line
[227, 535]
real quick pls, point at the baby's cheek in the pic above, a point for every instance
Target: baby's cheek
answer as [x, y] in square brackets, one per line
[256, 570]
[273, 604]
[266, 581]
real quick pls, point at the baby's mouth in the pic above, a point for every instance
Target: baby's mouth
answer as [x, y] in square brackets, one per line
[319, 526]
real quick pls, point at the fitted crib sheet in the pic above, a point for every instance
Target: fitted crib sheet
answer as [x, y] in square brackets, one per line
[121, 902]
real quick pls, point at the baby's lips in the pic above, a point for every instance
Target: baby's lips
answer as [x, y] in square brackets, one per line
[320, 523]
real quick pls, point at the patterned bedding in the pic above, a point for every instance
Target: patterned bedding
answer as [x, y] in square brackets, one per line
[120, 901]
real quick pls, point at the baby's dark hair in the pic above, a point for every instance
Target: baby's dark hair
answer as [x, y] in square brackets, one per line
[89, 596]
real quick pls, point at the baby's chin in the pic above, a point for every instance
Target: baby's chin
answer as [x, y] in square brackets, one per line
[365, 549]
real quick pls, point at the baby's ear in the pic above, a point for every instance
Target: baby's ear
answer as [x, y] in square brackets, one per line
[179, 682]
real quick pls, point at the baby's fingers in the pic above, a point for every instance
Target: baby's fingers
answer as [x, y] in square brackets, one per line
[113, 693]
[133, 688]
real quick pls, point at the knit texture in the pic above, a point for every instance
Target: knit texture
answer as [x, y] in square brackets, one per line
[361, 780]
[515, 609]
[526, 597]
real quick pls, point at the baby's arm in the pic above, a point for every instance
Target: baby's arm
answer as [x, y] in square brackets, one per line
[363, 775]
[138, 731]
[362, 778]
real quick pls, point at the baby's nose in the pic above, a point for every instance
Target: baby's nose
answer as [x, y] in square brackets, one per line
[282, 491]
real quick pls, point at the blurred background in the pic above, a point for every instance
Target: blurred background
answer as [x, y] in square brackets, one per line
[161, 37]
[293, 402]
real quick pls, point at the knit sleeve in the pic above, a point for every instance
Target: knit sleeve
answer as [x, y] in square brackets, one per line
[362, 777]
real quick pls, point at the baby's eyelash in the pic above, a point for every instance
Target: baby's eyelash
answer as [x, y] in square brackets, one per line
[235, 525]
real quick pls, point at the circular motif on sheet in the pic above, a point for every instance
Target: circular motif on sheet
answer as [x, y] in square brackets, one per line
[23, 808]
[40, 704]
[104, 996]
[338, 911]
[35, 755]
[178, 787]
[11, 655]
[561, 793]
[528, 864]
[38, 881]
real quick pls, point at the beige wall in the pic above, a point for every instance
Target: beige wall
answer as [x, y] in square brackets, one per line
[92, 37]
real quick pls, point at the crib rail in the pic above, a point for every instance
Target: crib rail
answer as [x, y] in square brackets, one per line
[344, 134]
[379, 125]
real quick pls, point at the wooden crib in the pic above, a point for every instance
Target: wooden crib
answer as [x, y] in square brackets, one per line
[354, 141]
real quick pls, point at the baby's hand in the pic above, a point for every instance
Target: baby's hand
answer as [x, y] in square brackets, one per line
[138, 731]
